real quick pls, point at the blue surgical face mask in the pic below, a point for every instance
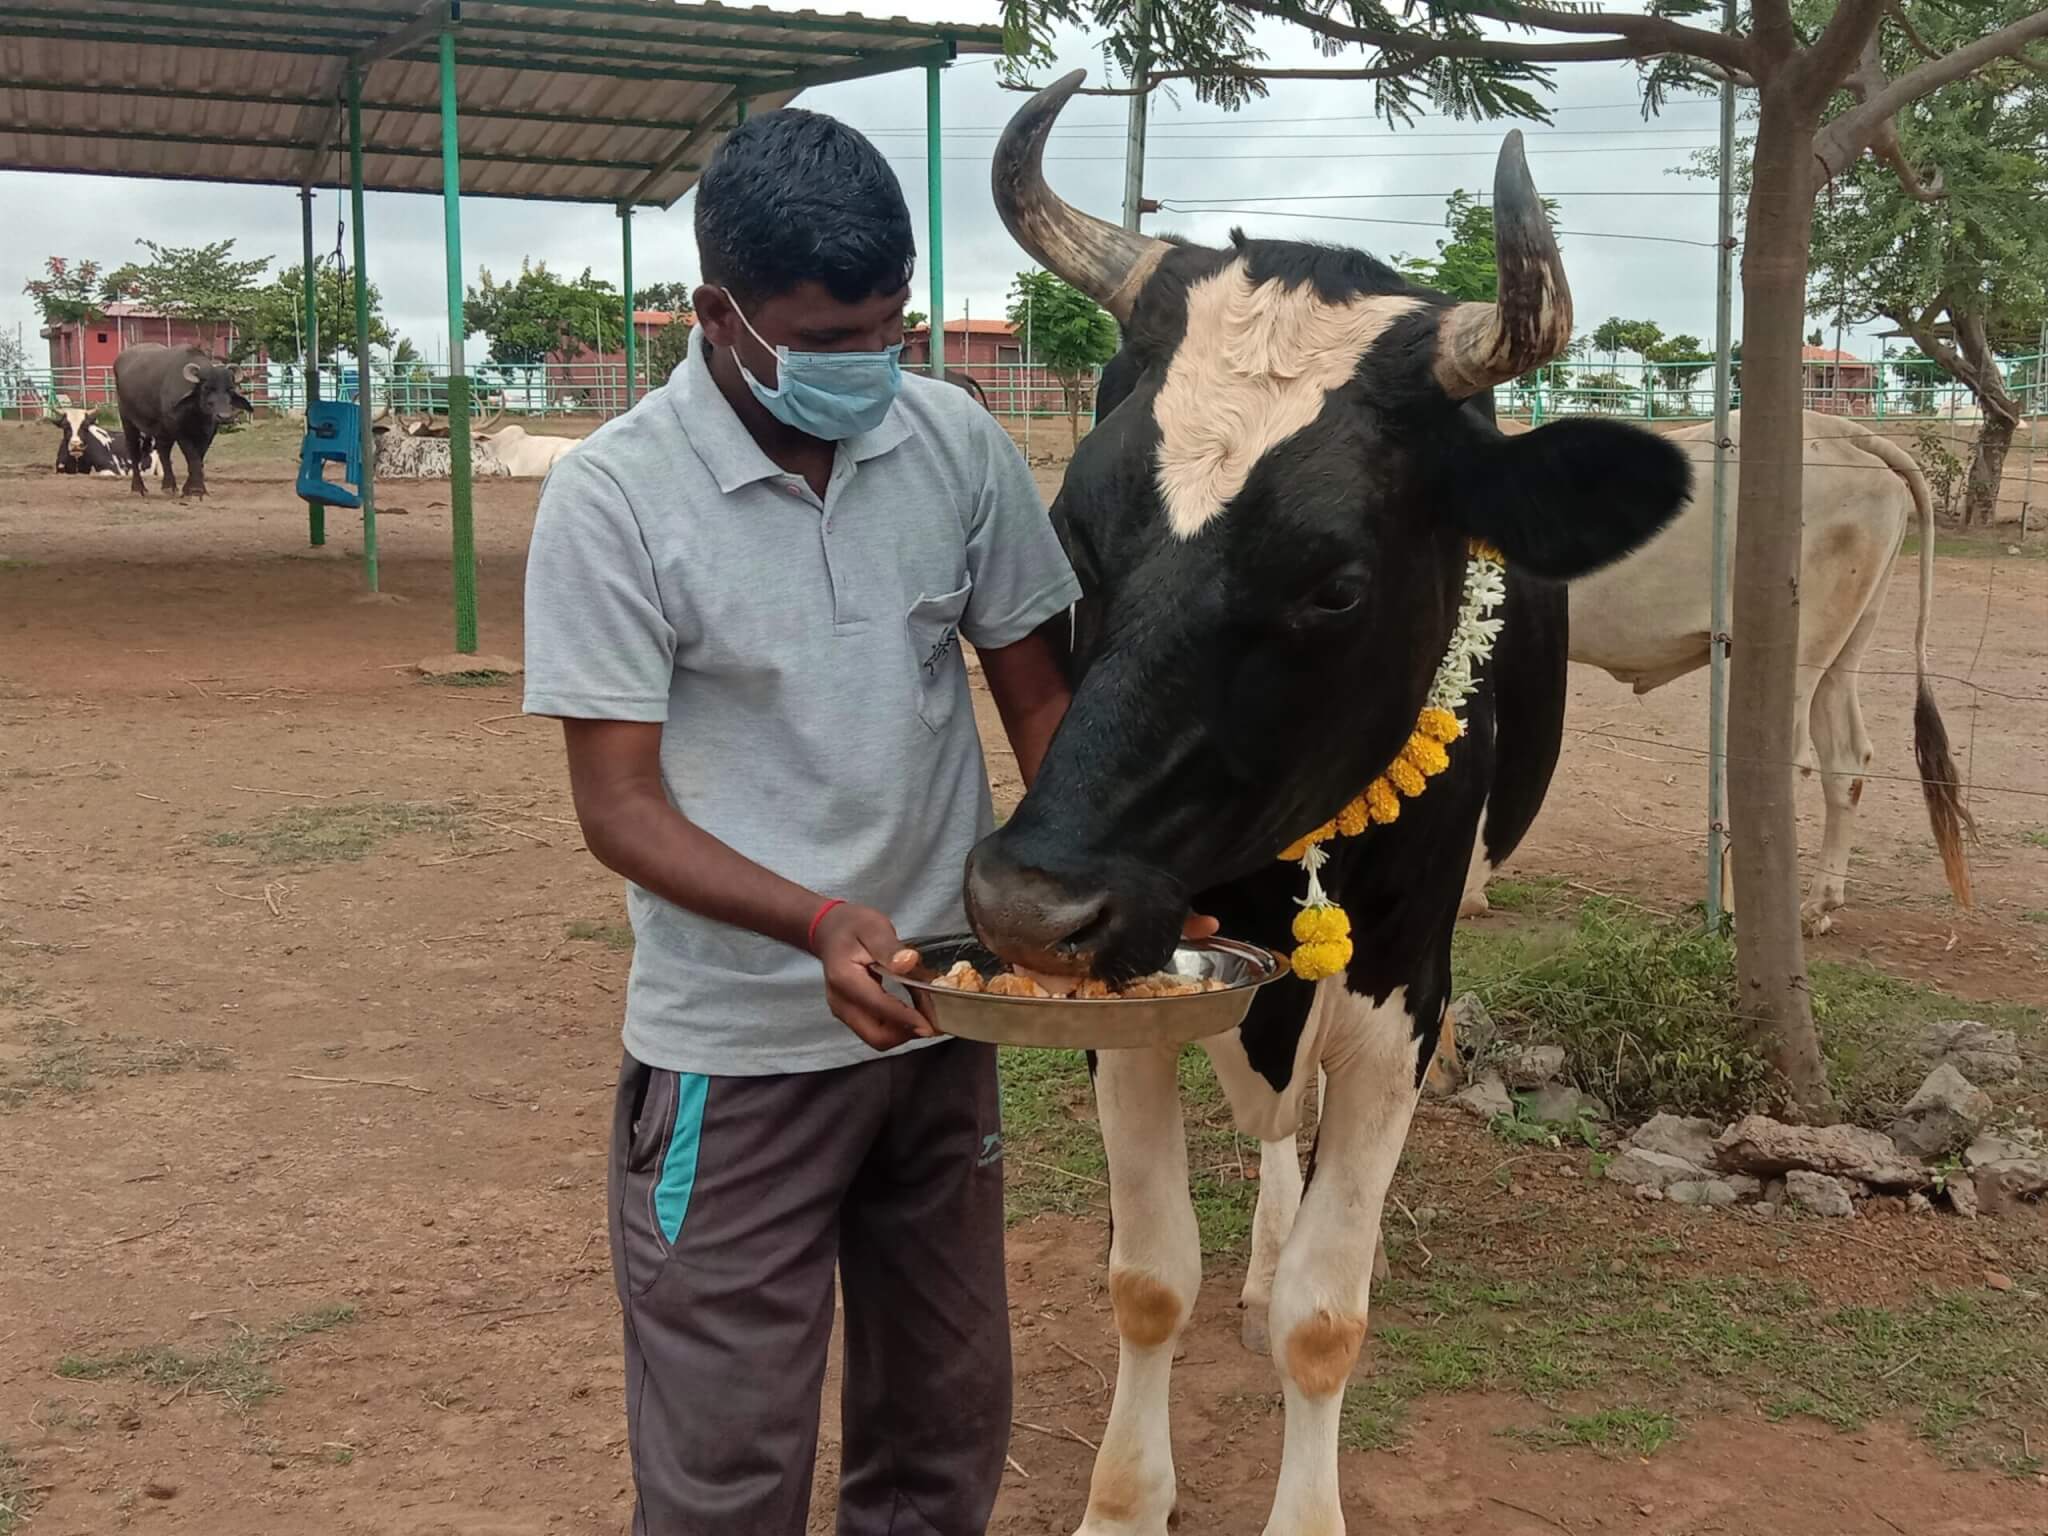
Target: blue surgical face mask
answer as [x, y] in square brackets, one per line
[829, 395]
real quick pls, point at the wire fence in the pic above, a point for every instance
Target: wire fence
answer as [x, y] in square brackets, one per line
[1873, 391]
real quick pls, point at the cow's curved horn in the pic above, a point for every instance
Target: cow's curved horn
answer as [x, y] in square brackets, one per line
[1108, 263]
[1481, 345]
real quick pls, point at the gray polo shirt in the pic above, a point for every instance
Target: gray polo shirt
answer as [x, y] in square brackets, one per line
[803, 659]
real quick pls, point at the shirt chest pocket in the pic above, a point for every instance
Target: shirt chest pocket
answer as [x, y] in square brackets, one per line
[939, 677]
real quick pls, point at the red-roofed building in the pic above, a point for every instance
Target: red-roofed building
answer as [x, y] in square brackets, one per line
[1837, 383]
[597, 376]
[82, 353]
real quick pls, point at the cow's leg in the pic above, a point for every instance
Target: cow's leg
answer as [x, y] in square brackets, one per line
[1272, 1222]
[163, 459]
[1320, 1294]
[1155, 1266]
[138, 450]
[1477, 873]
[194, 450]
[1843, 746]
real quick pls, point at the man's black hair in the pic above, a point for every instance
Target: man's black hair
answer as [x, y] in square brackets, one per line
[795, 196]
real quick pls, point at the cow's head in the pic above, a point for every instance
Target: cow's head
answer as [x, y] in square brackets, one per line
[1270, 529]
[213, 392]
[71, 422]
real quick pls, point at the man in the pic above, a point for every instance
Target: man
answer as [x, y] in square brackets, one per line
[745, 601]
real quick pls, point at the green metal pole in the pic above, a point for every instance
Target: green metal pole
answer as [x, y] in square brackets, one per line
[935, 175]
[632, 330]
[365, 389]
[460, 510]
[316, 513]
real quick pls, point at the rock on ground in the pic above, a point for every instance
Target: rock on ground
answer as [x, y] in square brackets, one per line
[457, 665]
[1701, 1192]
[1533, 1065]
[1961, 1190]
[1981, 1052]
[1652, 1170]
[1992, 1148]
[1942, 1116]
[1485, 1097]
[1686, 1136]
[1474, 1026]
[1819, 1193]
[1560, 1104]
[1759, 1145]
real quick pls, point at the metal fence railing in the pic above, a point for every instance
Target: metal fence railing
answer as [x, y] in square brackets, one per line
[1030, 391]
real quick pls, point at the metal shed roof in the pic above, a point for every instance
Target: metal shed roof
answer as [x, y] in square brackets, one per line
[613, 101]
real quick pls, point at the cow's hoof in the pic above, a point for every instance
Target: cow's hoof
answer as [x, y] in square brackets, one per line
[1257, 1339]
[1475, 904]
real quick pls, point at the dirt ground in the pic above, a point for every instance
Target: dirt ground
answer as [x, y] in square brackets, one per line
[308, 1020]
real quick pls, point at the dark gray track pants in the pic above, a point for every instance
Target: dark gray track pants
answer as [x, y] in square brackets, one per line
[732, 1200]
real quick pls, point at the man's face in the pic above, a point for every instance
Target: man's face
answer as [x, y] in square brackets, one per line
[805, 319]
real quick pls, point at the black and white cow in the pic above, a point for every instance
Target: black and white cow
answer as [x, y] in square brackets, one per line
[1270, 522]
[83, 447]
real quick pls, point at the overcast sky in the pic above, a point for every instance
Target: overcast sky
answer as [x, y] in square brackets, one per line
[1307, 162]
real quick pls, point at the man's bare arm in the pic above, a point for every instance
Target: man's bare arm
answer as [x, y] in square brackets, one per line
[634, 830]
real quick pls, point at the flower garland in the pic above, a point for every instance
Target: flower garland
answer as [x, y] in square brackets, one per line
[1322, 930]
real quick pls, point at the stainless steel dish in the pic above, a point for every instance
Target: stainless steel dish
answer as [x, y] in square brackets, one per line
[1105, 1024]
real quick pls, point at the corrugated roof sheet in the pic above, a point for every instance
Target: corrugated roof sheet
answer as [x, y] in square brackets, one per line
[601, 101]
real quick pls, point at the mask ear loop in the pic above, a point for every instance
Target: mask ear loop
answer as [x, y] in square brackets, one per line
[778, 353]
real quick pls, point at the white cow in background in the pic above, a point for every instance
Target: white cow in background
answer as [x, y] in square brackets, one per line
[418, 450]
[1647, 621]
[524, 455]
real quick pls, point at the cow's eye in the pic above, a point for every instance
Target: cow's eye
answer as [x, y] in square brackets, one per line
[1340, 594]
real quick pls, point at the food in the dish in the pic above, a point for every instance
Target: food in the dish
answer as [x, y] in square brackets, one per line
[1017, 982]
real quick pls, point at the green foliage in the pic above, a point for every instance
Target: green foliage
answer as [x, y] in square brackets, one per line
[1615, 335]
[277, 316]
[67, 291]
[666, 351]
[206, 283]
[15, 1494]
[537, 313]
[1940, 464]
[915, 319]
[1919, 376]
[1069, 335]
[1602, 392]
[1464, 266]
[1677, 362]
[673, 297]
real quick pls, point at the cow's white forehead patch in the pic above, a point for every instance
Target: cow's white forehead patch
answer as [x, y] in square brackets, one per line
[1252, 370]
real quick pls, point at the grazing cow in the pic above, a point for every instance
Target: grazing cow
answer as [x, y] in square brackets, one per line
[1647, 621]
[83, 446]
[1271, 523]
[172, 395]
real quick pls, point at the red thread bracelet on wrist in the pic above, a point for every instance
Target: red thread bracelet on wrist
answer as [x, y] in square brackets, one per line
[811, 933]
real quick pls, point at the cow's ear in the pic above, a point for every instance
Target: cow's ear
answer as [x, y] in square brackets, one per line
[240, 403]
[191, 372]
[1566, 499]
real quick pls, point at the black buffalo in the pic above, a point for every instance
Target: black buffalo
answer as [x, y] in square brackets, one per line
[172, 395]
[1271, 523]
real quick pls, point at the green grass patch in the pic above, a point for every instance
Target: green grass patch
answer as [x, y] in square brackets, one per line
[238, 1369]
[483, 677]
[616, 936]
[1984, 544]
[330, 834]
[1646, 1011]
[14, 1494]
[1052, 1149]
[1637, 1431]
[15, 565]
[1540, 894]
[60, 1062]
[2036, 837]
[1963, 1371]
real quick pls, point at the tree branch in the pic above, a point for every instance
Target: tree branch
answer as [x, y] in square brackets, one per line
[1897, 12]
[1629, 37]
[1865, 81]
[1161, 76]
[1840, 142]
[1850, 36]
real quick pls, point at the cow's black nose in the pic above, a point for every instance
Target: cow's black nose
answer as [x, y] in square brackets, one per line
[1031, 917]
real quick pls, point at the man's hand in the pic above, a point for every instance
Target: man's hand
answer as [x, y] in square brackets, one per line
[1199, 927]
[849, 940]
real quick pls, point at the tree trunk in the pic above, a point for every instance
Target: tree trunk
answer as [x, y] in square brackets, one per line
[1987, 469]
[1763, 737]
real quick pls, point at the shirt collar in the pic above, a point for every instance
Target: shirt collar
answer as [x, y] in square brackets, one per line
[722, 440]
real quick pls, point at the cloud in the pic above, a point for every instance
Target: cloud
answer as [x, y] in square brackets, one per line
[1311, 140]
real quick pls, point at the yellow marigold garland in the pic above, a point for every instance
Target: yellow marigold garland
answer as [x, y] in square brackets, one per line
[1322, 930]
